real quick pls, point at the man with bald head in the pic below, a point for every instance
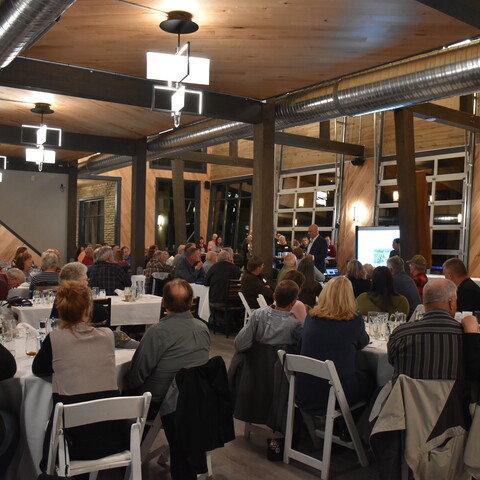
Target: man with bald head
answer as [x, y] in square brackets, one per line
[317, 248]
[430, 348]
[289, 263]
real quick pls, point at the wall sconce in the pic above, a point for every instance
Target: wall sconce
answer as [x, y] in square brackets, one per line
[355, 213]
[359, 212]
[160, 221]
[395, 196]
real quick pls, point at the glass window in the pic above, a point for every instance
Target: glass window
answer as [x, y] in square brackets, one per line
[437, 263]
[326, 178]
[449, 190]
[388, 194]
[91, 221]
[427, 165]
[306, 181]
[389, 172]
[305, 200]
[324, 218]
[303, 219]
[388, 216]
[285, 219]
[447, 215]
[445, 239]
[289, 183]
[450, 165]
[286, 200]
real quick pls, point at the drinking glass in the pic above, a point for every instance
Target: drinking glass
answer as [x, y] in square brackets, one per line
[37, 297]
[128, 294]
[9, 329]
[95, 292]
[103, 293]
[32, 344]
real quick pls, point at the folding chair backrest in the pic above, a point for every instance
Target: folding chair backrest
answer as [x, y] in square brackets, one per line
[261, 301]
[245, 303]
[106, 303]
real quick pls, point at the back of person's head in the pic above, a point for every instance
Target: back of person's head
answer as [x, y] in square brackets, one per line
[439, 290]
[397, 264]
[368, 267]
[455, 267]
[397, 241]
[49, 260]
[230, 252]
[211, 256]
[72, 272]
[382, 291]
[104, 254]
[89, 251]
[72, 300]
[118, 256]
[189, 245]
[180, 249]
[298, 252]
[295, 276]
[178, 296]
[191, 251]
[336, 301]
[290, 260]
[223, 256]
[355, 269]
[16, 275]
[151, 250]
[285, 293]
[19, 251]
[254, 263]
[157, 254]
[307, 267]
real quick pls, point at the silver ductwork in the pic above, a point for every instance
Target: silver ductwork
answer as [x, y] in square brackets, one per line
[440, 74]
[23, 22]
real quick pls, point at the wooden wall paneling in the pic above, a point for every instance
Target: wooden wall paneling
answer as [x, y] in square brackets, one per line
[474, 260]
[9, 244]
[358, 191]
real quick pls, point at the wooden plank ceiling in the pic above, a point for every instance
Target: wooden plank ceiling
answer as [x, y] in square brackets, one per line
[257, 50]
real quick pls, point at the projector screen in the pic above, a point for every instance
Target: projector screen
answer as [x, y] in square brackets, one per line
[374, 244]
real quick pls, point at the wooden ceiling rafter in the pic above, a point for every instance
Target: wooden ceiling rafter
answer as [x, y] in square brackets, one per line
[467, 11]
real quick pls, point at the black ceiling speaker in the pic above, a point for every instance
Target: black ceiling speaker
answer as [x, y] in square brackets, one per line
[358, 161]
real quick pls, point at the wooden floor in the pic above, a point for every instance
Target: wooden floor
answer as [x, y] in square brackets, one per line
[246, 459]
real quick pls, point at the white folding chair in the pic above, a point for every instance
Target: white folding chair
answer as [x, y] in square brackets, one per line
[85, 413]
[327, 371]
[261, 301]
[248, 310]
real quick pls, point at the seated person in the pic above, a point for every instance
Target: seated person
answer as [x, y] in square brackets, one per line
[272, 325]
[289, 263]
[299, 310]
[253, 283]
[158, 263]
[13, 278]
[356, 274]
[418, 266]
[189, 267]
[333, 330]
[403, 284]
[468, 291]
[81, 360]
[382, 297]
[311, 287]
[106, 274]
[48, 277]
[24, 262]
[87, 258]
[210, 260]
[178, 341]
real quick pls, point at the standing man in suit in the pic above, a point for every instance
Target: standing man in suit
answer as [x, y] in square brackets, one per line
[317, 248]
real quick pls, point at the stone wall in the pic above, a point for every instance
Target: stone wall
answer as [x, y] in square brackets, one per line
[108, 191]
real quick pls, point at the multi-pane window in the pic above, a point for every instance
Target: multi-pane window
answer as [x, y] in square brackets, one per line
[305, 198]
[91, 219]
[445, 176]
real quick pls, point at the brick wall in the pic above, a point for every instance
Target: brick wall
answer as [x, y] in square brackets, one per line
[107, 190]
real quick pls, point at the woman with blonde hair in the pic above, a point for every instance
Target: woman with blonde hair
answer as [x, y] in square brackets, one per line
[334, 330]
[357, 275]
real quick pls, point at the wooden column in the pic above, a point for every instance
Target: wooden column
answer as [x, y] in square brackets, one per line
[263, 186]
[407, 184]
[139, 169]
[179, 202]
[72, 212]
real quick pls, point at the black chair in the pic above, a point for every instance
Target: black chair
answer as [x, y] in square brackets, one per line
[106, 303]
[232, 307]
[159, 280]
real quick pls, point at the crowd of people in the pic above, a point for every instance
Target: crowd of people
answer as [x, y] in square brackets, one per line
[313, 317]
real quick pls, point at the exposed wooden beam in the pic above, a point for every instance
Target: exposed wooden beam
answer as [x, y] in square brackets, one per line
[17, 163]
[467, 11]
[137, 208]
[407, 185]
[321, 144]
[211, 158]
[57, 78]
[447, 116]
[77, 142]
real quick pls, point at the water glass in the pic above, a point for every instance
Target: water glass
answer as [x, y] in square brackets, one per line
[37, 297]
[102, 293]
[95, 292]
[32, 344]
[9, 327]
[128, 294]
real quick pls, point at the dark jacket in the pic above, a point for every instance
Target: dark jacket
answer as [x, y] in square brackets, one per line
[319, 250]
[217, 279]
[252, 286]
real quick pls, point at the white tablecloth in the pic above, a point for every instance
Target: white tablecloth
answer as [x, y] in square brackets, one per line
[144, 311]
[204, 306]
[30, 397]
[374, 358]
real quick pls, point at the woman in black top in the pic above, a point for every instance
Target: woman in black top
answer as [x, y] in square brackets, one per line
[357, 275]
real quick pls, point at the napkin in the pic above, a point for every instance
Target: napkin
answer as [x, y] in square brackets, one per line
[120, 293]
[25, 328]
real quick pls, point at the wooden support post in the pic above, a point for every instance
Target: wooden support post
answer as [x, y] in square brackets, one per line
[467, 104]
[407, 184]
[233, 148]
[139, 169]
[72, 212]
[263, 186]
[325, 130]
[179, 202]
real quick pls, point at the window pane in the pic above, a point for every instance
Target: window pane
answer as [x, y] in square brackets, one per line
[327, 178]
[289, 182]
[325, 198]
[447, 215]
[389, 172]
[324, 219]
[285, 219]
[388, 216]
[305, 200]
[450, 165]
[388, 195]
[286, 201]
[426, 165]
[244, 221]
[446, 239]
[303, 219]
[219, 192]
[437, 262]
[246, 189]
[449, 190]
[306, 181]
[233, 190]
